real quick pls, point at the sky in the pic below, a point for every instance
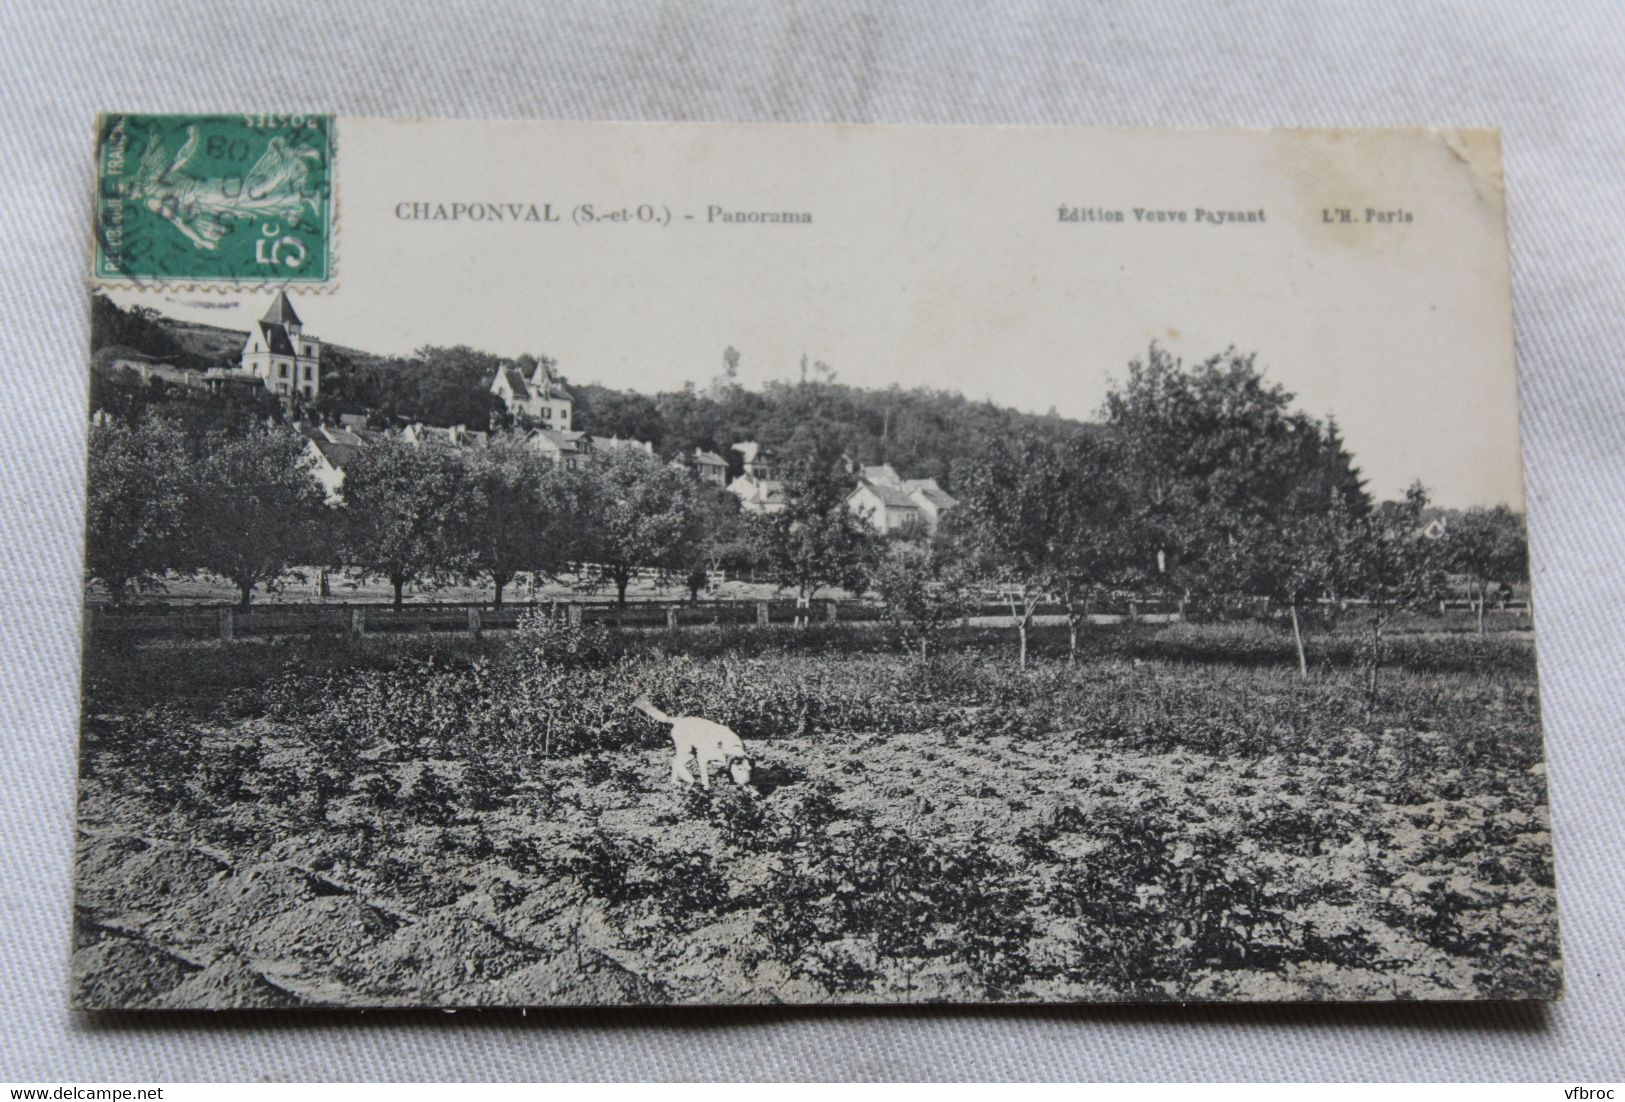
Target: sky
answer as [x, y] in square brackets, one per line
[940, 257]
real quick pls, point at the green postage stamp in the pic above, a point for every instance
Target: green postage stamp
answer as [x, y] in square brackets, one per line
[236, 199]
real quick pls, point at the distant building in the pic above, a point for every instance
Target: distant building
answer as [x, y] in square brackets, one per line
[167, 373]
[564, 448]
[281, 354]
[615, 443]
[542, 398]
[711, 467]
[758, 463]
[455, 436]
[892, 502]
[759, 489]
[887, 507]
[932, 499]
[331, 449]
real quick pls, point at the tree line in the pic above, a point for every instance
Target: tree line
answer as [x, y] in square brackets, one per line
[1201, 483]
[919, 430]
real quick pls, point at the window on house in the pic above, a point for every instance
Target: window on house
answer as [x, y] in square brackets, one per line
[282, 370]
[547, 413]
[310, 372]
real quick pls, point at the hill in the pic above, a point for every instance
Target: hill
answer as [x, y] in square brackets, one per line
[918, 430]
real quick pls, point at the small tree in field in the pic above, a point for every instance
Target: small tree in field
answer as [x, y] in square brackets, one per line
[815, 541]
[524, 512]
[1012, 522]
[1487, 545]
[139, 484]
[1297, 560]
[405, 511]
[722, 538]
[639, 513]
[1399, 568]
[924, 595]
[1097, 534]
[256, 508]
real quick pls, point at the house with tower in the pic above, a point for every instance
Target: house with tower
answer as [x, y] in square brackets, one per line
[542, 398]
[280, 354]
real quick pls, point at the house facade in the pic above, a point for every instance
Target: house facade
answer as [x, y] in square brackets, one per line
[331, 449]
[280, 354]
[892, 502]
[542, 398]
[709, 467]
[567, 449]
[759, 489]
[887, 508]
[607, 444]
[455, 436]
[932, 499]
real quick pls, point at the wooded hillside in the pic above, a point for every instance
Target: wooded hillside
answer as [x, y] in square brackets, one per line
[919, 431]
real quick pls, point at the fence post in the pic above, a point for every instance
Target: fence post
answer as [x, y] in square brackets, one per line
[473, 623]
[671, 618]
[830, 612]
[1182, 610]
[1133, 612]
[761, 612]
[358, 622]
[228, 624]
[573, 612]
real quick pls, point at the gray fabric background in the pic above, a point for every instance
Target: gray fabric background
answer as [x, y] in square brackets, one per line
[1549, 74]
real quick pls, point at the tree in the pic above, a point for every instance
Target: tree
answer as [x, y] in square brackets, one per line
[816, 541]
[439, 386]
[722, 538]
[626, 414]
[139, 329]
[1219, 456]
[1399, 568]
[404, 511]
[1297, 560]
[1096, 535]
[1244, 497]
[1487, 545]
[923, 592]
[524, 512]
[139, 483]
[1011, 520]
[255, 508]
[641, 514]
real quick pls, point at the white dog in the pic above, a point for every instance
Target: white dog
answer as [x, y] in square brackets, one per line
[706, 742]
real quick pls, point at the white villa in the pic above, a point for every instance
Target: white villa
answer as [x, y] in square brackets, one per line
[891, 502]
[542, 398]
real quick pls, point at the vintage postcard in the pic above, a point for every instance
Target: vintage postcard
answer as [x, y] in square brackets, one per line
[554, 564]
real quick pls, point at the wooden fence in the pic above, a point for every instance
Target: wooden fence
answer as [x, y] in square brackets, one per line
[231, 622]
